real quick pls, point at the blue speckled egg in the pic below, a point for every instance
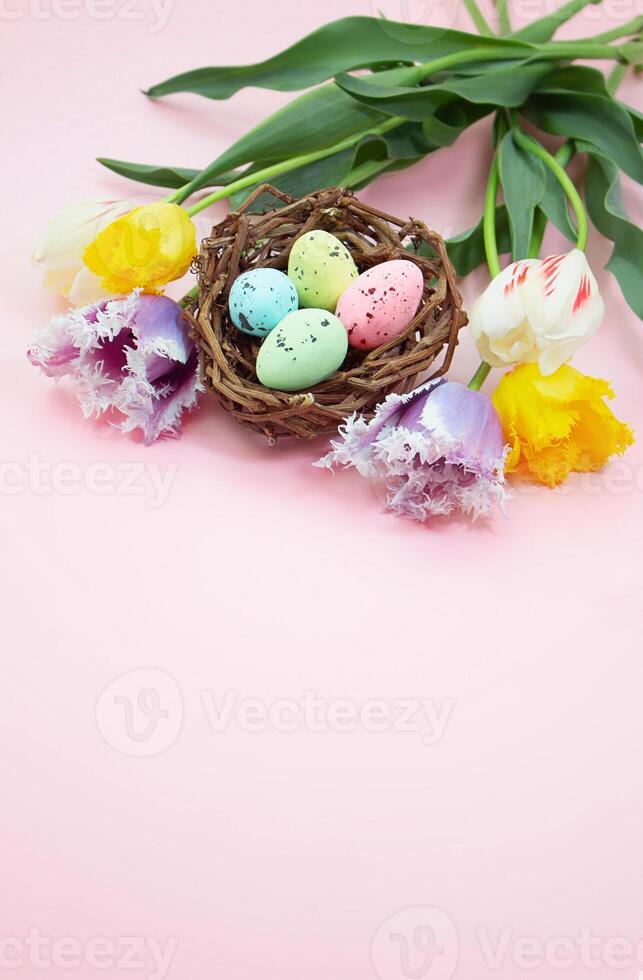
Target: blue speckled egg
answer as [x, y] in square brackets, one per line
[260, 299]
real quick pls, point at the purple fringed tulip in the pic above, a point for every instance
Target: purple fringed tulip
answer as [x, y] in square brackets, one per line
[132, 354]
[437, 450]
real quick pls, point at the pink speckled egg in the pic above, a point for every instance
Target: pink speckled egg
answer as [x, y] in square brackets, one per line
[380, 303]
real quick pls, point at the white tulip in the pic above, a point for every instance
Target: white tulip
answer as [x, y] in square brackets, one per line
[538, 310]
[59, 251]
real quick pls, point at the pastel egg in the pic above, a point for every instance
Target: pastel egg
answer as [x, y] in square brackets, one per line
[260, 299]
[381, 303]
[321, 268]
[306, 348]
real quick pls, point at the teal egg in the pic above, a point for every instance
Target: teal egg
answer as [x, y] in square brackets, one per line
[306, 348]
[260, 299]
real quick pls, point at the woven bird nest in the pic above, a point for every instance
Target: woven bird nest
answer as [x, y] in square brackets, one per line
[247, 240]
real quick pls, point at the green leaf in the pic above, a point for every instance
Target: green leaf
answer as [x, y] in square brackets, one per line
[598, 119]
[354, 167]
[522, 177]
[450, 121]
[555, 204]
[342, 45]
[466, 250]
[574, 78]
[608, 214]
[503, 87]
[158, 176]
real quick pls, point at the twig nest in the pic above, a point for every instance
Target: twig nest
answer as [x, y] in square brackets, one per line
[247, 240]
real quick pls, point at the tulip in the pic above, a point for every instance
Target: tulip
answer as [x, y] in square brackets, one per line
[558, 424]
[147, 248]
[132, 355]
[436, 450]
[59, 251]
[537, 310]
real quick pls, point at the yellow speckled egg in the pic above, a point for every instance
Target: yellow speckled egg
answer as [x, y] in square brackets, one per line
[321, 268]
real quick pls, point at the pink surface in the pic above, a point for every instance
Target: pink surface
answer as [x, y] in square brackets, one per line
[324, 842]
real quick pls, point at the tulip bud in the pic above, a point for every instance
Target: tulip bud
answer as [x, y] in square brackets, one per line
[437, 450]
[537, 311]
[133, 356]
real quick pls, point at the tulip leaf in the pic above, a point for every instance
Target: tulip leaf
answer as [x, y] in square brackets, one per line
[587, 116]
[555, 204]
[450, 121]
[342, 45]
[522, 176]
[158, 176]
[467, 251]
[574, 78]
[608, 214]
[313, 121]
[353, 167]
[506, 86]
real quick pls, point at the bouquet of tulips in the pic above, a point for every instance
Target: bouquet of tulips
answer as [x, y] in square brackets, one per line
[443, 447]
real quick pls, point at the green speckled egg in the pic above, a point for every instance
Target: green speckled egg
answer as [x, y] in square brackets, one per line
[304, 349]
[321, 268]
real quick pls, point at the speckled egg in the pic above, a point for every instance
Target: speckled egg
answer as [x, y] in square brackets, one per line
[260, 299]
[321, 268]
[307, 347]
[381, 303]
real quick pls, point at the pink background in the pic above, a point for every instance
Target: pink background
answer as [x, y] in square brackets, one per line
[275, 853]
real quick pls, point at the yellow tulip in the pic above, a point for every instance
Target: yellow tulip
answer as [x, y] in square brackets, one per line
[557, 424]
[148, 247]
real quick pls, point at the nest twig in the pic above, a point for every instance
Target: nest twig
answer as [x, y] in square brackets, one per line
[246, 240]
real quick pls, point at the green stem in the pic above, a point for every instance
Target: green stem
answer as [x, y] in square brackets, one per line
[479, 377]
[563, 155]
[187, 299]
[561, 175]
[503, 17]
[478, 17]
[569, 10]
[285, 166]
[634, 26]
[489, 220]
[615, 78]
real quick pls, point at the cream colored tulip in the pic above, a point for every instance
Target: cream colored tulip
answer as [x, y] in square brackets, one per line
[59, 251]
[537, 311]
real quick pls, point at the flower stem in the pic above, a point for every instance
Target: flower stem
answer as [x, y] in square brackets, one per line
[563, 155]
[503, 17]
[480, 376]
[634, 26]
[478, 17]
[187, 299]
[489, 220]
[561, 175]
[285, 166]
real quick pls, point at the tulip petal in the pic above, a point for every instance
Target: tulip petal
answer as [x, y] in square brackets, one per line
[437, 450]
[131, 355]
[558, 424]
